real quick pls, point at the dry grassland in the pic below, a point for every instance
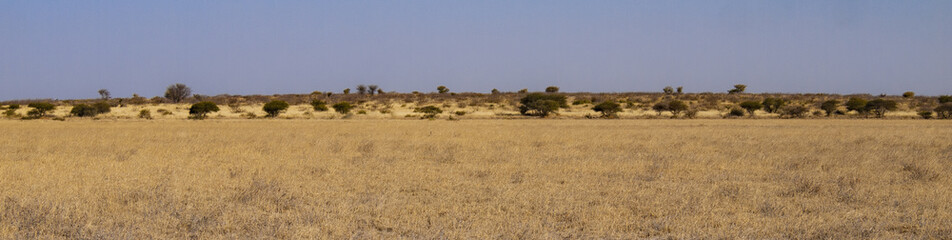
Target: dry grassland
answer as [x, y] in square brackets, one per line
[508, 179]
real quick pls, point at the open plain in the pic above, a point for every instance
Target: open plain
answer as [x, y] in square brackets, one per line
[479, 179]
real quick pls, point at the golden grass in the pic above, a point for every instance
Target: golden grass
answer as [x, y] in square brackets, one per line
[476, 179]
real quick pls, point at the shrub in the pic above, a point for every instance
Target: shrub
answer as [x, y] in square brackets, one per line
[275, 107]
[373, 89]
[361, 89]
[909, 94]
[442, 89]
[856, 104]
[660, 107]
[794, 111]
[830, 106]
[343, 107]
[40, 109]
[879, 107]
[739, 88]
[460, 113]
[668, 90]
[690, 113]
[10, 113]
[319, 105]
[200, 110]
[608, 109]
[362, 112]
[538, 104]
[581, 101]
[524, 90]
[13, 106]
[145, 114]
[83, 110]
[163, 112]
[552, 89]
[942, 99]
[676, 107]
[680, 90]
[772, 105]
[944, 111]
[177, 92]
[104, 94]
[429, 111]
[346, 91]
[102, 107]
[925, 114]
[751, 106]
[736, 112]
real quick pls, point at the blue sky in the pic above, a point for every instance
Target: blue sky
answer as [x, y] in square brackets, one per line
[70, 49]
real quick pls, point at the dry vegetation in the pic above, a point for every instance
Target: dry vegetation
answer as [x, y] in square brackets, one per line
[476, 179]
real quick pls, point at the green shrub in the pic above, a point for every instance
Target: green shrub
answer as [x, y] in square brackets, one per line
[429, 111]
[830, 106]
[581, 101]
[460, 113]
[690, 113]
[83, 110]
[668, 90]
[608, 109]
[40, 109]
[319, 105]
[944, 111]
[879, 107]
[676, 107]
[736, 112]
[856, 104]
[442, 89]
[200, 110]
[343, 107]
[274, 108]
[10, 113]
[494, 91]
[102, 107]
[552, 89]
[772, 105]
[908, 94]
[660, 107]
[739, 88]
[794, 111]
[751, 106]
[942, 99]
[145, 114]
[925, 114]
[13, 106]
[362, 111]
[524, 90]
[538, 104]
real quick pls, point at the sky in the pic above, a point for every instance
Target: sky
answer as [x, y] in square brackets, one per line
[66, 49]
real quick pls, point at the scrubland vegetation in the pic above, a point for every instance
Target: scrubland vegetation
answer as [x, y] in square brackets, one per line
[477, 179]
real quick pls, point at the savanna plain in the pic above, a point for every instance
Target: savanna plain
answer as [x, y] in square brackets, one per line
[476, 179]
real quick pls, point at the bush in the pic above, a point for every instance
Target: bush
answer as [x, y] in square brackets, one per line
[751, 107]
[10, 113]
[925, 114]
[879, 107]
[40, 109]
[739, 88]
[794, 111]
[13, 106]
[538, 104]
[102, 107]
[494, 91]
[163, 112]
[942, 99]
[660, 107]
[736, 112]
[690, 114]
[200, 110]
[676, 107]
[275, 107]
[429, 111]
[608, 109]
[552, 89]
[177, 92]
[856, 104]
[83, 110]
[668, 90]
[908, 94]
[319, 105]
[343, 107]
[830, 106]
[524, 90]
[460, 113]
[944, 111]
[772, 105]
[442, 89]
[145, 114]
[581, 101]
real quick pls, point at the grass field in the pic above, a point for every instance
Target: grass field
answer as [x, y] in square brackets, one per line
[476, 179]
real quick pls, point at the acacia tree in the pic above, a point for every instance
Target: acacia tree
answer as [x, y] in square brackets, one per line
[552, 89]
[676, 107]
[879, 107]
[538, 104]
[373, 89]
[751, 107]
[275, 107]
[200, 110]
[772, 105]
[361, 89]
[739, 88]
[442, 89]
[856, 104]
[177, 92]
[608, 109]
[104, 94]
[668, 90]
[829, 107]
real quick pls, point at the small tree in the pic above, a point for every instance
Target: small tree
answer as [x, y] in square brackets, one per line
[945, 99]
[494, 91]
[944, 111]
[830, 107]
[739, 88]
[660, 107]
[680, 90]
[83, 110]
[274, 108]
[373, 89]
[361, 89]
[668, 90]
[177, 92]
[429, 111]
[676, 107]
[200, 110]
[319, 105]
[608, 109]
[751, 107]
[552, 89]
[772, 105]
[794, 111]
[343, 107]
[102, 107]
[346, 91]
[104, 94]
[380, 91]
[856, 104]
[442, 89]
[909, 94]
[879, 107]
[538, 104]
[40, 109]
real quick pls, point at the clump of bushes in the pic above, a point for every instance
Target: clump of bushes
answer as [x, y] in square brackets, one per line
[319, 105]
[343, 107]
[274, 108]
[879, 107]
[538, 104]
[735, 112]
[944, 111]
[83, 110]
[830, 107]
[200, 110]
[794, 111]
[145, 114]
[751, 107]
[772, 105]
[39, 110]
[608, 109]
[429, 111]
[856, 104]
